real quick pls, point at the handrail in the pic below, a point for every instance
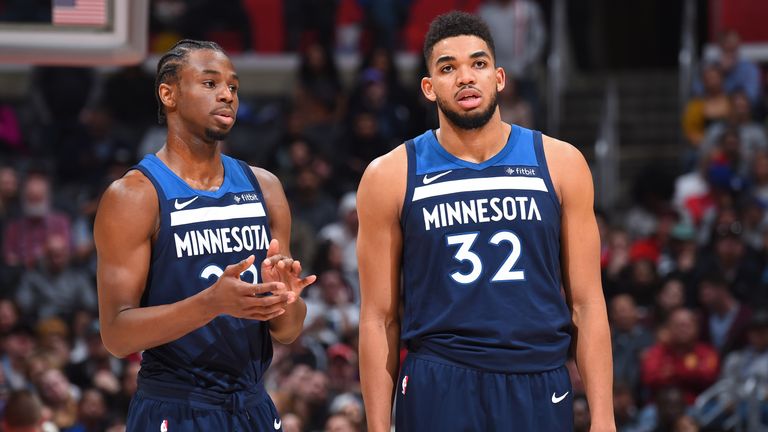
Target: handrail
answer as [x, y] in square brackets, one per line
[607, 149]
[688, 56]
[556, 67]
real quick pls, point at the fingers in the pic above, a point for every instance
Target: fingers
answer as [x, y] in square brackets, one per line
[236, 269]
[274, 248]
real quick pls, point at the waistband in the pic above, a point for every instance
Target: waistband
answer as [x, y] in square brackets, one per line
[203, 399]
[425, 354]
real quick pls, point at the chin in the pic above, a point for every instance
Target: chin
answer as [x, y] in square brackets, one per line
[216, 135]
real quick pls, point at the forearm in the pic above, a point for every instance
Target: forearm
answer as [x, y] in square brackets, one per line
[594, 360]
[379, 358]
[136, 329]
[287, 327]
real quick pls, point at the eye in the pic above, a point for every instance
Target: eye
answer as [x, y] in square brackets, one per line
[446, 68]
[481, 64]
[233, 88]
[209, 84]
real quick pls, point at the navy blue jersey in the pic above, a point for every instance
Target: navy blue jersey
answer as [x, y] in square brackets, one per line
[481, 258]
[201, 233]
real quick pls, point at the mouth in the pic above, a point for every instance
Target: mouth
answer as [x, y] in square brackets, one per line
[226, 117]
[469, 98]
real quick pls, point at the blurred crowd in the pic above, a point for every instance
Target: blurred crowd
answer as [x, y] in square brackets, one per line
[685, 264]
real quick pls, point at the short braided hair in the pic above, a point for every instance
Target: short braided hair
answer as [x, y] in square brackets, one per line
[169, 64]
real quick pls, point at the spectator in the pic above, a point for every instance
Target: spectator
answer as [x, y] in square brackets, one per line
[515, 109]
[331, 316]
[670, 297]
[55, 288]
[18, 344]
[725, 319]
[342, 370]
[310, 203]
[59, 397]
[740, 74]
[343, 233]
[517, 27]
[679, 359]
[625, 409]
[752, 137]
[581, 416]
[23, 412]
[25, 237]
[340, 423]
[664, 414]
[99, 369]
[629, 340]
[744, 377]
[292, 423]
[710, 107]
[91, 412]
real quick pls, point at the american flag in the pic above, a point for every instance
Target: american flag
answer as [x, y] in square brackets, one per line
[87, 12]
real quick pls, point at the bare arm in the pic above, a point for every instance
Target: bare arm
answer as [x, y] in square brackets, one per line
[125, 223]
[379, 250]
[279, 266]
[580, 260]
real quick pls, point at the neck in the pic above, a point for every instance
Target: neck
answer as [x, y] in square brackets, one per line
[474, 145]
[193, 159]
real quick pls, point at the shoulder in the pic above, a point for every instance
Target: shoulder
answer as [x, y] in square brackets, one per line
[567, 167]
[384, 181]
[131, 189]
[131, 199]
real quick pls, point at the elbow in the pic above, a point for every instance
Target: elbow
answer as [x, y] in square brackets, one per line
[285, 337]
[113, 345]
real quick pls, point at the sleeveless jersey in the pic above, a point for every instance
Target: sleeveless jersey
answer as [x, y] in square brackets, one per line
[201, 233]
[481, 258]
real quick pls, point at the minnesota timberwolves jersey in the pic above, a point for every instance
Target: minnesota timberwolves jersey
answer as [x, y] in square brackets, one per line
[201, 233]
[481, 258]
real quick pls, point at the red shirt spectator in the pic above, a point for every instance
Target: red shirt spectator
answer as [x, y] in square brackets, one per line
[678, 359]
[26, 236]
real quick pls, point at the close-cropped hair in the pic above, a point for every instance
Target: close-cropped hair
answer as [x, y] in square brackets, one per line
[456, 23]
[171, 62]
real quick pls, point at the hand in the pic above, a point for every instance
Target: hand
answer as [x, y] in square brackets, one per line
[280, 268]
[232, 296]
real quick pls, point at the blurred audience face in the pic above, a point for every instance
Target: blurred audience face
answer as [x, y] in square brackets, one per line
[92, 407]
[671, 406]
[334, 290]
[9, 184]
[729, 50]
[299, 154]
[712, 294]
[760, 167]
[36, 200]
[623, 313]
[683, 328]
[712, 79]
[686, 424]
[130, 378]
[23, 413]
[54, 388]
[19, 345]
[671, 296]
[758, 338]
[9, 315]
[57, 254]
[581, 417]
[340, 423]
[624, 407]
[292, 423]
[741, 109]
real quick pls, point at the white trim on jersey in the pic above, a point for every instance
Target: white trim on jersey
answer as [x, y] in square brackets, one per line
[206, 214]
[479, 184]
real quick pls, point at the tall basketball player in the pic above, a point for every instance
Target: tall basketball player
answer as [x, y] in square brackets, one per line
[484, 221]
[189, 263]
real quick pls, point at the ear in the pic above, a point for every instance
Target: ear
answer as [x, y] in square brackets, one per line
[426, 88]
[167, 94]
[501, 79]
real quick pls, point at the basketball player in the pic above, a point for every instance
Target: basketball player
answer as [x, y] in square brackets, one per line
[484, 220]
[189, 262]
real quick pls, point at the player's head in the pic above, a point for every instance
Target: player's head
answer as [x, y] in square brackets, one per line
[462, 77]
[197, 83]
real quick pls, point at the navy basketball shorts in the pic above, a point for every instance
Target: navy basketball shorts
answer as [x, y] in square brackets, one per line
[151, 411]
[435, 395]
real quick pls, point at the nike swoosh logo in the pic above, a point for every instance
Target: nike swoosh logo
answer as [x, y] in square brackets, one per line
[180, 205]
[557, 399]
[428, 180]
[277, 424]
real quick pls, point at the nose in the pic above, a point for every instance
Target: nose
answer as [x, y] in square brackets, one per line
[226, 94]
[465, 76]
